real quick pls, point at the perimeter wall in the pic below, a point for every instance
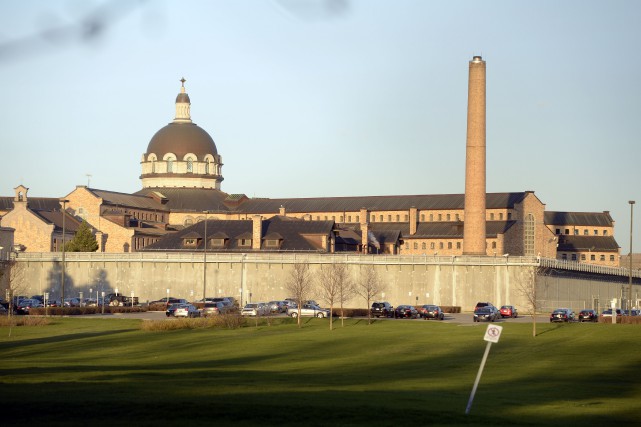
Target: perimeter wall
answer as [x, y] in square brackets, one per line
[450, 281]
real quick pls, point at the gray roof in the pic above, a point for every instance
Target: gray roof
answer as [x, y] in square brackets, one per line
[190, 199]
[34, 203]
[569, 243]
[113, 198]
[351, 204]
[597, 219]
[442, 230]
[292, 231]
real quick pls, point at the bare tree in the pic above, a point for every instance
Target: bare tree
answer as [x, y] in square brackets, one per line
[527, 288]
[345, 287]
[329, 288]
[300, 285]
[12, 272]
[368, 286]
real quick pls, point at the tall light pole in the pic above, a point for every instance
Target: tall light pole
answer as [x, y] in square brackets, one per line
[64, 231]
[630, 283]
[205, 261]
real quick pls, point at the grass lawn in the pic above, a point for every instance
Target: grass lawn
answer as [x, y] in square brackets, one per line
[111, 372]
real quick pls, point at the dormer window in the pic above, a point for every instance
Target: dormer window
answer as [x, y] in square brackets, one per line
[190, 243]
[244, 243]
[272, 243]
[217, 243]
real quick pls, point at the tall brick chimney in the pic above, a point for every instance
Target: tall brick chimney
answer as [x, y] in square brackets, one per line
[257, 231]
[475, 192]
[413, 220]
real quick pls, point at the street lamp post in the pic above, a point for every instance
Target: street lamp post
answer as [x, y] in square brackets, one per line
[630, 270]
[205, 261]
[64, 231]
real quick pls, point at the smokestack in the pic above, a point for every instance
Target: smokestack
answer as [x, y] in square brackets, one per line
[475, 192]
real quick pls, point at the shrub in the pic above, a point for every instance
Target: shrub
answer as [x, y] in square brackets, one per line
[23, 321]
[223, 321]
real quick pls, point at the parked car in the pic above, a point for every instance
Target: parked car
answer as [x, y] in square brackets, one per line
[171, 310]
[430, 311]
[608, 312]
[171, 300]
[255, 309]
[482, 304]
[588, 316]
[562, 315]
[277, 306]
[186, 310]
[25, 305]
[215, 308]
[508, 311]
[308, 310]
[405, 312]
[382, 308]
[486, 314]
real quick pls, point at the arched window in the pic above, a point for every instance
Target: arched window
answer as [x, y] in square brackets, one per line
[528, 238]
[170, 165]
[190, 165]
[207, 167]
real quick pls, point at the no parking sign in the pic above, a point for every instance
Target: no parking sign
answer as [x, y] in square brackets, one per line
[493, 333]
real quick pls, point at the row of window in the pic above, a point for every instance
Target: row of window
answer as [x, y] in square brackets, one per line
[190, 166]
[406, 218]
[577, 232]
[441, 245]
[573, 257]
[220, 243]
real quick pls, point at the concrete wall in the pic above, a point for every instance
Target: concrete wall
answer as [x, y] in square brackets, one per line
[451, 281]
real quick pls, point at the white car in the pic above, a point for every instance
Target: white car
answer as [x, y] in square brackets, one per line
[308, 310]
[255, 309]
[186, 310]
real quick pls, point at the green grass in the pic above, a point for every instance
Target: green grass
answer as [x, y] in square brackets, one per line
[110, 372]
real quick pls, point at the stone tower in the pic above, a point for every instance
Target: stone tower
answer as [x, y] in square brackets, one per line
[474, 213]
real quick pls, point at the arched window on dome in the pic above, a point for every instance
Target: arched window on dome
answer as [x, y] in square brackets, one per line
[207, 167]
[189, 221]
[170, 165]
[190, 165]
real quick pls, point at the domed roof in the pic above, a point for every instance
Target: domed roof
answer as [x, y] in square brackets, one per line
[180, 139]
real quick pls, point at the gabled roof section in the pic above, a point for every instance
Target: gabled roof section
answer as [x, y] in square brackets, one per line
[373, 203]
[590, 219]
[34, 203]
[569, 243]
[292, 234]
[112, 198]
[55, 217]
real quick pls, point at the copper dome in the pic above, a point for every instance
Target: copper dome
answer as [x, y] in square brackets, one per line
[181, 139]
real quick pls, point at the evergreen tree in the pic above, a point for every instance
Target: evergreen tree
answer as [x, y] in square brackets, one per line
[83, 240]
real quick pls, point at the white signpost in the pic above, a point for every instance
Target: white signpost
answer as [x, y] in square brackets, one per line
[492, 335]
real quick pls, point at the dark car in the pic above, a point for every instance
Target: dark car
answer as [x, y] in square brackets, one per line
[482, 304]
[562, 315]
[485, 314]
[382, 308]
[171, 310]
[588, 316]
[508, 311]
[25, 305]
[405, 312]
[429, 311]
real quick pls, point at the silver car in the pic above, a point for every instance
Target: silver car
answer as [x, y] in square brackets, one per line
[186, 310]
[308, 310]
[255, 309]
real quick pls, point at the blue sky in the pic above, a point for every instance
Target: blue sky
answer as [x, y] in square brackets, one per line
[331, 97]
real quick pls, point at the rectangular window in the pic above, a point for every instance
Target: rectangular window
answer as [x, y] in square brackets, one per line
[596, 232]
[582, 257]
[602, 258]
[271, 243]
[573, 257]
[219, 243]
[611, 257]
[422, 217]
[423, 245]
[432, 245]
[380, 217]
[492, 216]
[449, 245]
[564, 256]
[389, 218]
[341, 218]
[501, 216]
[605, 232]
[407, 218]
[448, 217]
[407, 245]
[349, 218]
[458, 245]
[415, 245]
[567, 231]
[245, 242]
[440, 217]
[585, 232]
[592, 257]
[398, 218]
[431, 217]
[458, 217]
[558, 231]
[440, 245]
[357, 218]
[325, 217]
[509, 216]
